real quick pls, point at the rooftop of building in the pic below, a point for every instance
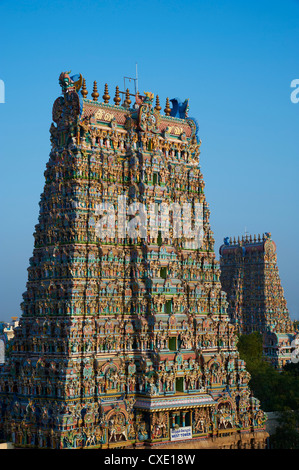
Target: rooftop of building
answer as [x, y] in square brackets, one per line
[175, 123]
[247, 243]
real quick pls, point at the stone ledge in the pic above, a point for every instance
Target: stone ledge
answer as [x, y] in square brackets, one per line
[6, 445]
[251, 440]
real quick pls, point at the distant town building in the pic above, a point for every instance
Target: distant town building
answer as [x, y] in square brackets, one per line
[250, 277]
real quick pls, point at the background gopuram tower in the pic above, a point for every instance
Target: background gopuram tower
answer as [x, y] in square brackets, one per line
[250, 277]
[124, 339]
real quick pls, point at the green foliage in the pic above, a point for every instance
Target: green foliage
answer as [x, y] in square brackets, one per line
[251, 348]
[277, 391]
[287, 433]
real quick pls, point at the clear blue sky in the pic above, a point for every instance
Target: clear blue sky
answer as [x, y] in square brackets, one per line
[234, 60]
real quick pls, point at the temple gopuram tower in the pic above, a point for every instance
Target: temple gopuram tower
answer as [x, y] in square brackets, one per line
[250, 277]
[124, 339]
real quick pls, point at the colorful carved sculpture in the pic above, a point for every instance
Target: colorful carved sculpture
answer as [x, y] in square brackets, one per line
[70, 83]
[179, 109]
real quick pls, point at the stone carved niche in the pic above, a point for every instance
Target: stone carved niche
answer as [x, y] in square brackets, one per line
[159, 425]
[215, 370]
[225, 415]
[201, 421]
[111, 377]
[117, 426]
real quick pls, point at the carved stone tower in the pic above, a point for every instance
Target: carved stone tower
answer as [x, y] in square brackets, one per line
[124, 338]
[250, 277]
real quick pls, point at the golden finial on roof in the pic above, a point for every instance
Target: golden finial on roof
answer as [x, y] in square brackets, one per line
[127, 101]
[158, 107]
[117, 98]
[106, 96]
[167, 108]
[84, 91]
[149, 95]
[95, 94]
